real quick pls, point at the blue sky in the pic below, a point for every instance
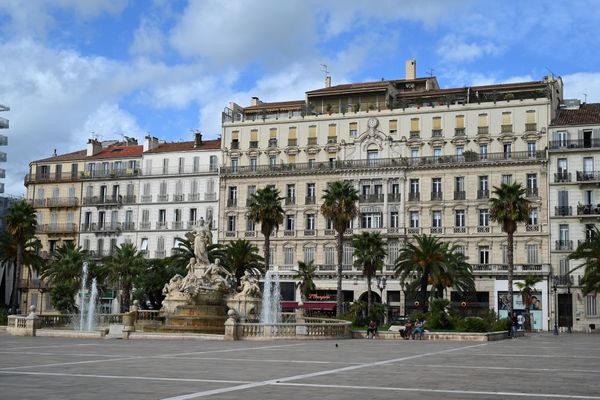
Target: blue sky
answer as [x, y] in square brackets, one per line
[70, 69]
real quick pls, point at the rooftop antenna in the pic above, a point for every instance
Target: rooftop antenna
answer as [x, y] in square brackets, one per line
[327, 76]
[430, 72]
[585, 98]
[95, 135]
[551, 73]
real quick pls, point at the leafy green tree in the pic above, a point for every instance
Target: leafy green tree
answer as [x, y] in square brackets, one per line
[122, 268]
[456, 274]
[265, 208]
[150, 282]
[509, 207]
[369, 254]
[588, 253]
[181, 254]
[339, 206]
[304, 278]
[238, 257]
[425, 257]
[527, 288]
[21, 223]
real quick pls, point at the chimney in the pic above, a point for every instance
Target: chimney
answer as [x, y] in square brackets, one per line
[93, 147]
[198, 139]
[411, 69]
[328, 81]
[150, 142]
[255, 101]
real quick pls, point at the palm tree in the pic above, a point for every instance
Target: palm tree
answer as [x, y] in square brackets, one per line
[21, 222]
[64, 274]
[265, 208]
[527, 287]
[8, 254]
[369, 254]
[305, 275]
[508, 208]
[426, 258]
[239, 256]
[122, 268]
[589, 253]
[339, 207]
[457, 274]
[185, 250]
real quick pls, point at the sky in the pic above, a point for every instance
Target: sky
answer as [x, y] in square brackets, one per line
[71, 70]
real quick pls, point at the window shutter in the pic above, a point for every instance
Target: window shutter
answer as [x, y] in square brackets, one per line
[483, 120]
[273, 133]
[292, 133]
[254, 135]
[312, 131]
[332, 130]
[235, 135]
[506, 118]
[414, 124]
[393, 125]
[437, 122]
[460, 121]
[531, 116]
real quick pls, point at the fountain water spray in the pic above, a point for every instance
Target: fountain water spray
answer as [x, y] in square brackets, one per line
[270, 312]
[84, 276]
[91, 306]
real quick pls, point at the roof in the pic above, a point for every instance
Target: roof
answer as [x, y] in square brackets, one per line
[515, 85]
[586, 114]
[186, 146]
[278, 105]
[119, 152]
[74, 156]
[363, 86]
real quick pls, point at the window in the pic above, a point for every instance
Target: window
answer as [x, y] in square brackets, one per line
[196, 165]
[311, 191]
[532, 219]
[393, 126]
[372, 157]
[253, 163]
[165, 166]
[591, 305]
[250, 225]
[290, 222]
[414, 186]
[414, 126]
[459, 218]
[484, 217]
[234, 165]
[213, 163]
[532, 254]
[394, 219]
[484, 254]
[414, 219]
[347, 255]
[506, 179]
[232, 193]
[181, 165]
[459, 184]
[309, 254]
[272, 161]
[288, 256]
[414, 153]
[310, 222]
[436, 185]
[393, 251]
[507, 149]
[353, 129]
[531, 149]
[437, 152]
[563, 266]
[193, 215]
[162, 216]
[483, 151]
[330, 255]
[292, 136]
[231, 219]
[436, 219]
[371, 220]
[436, 126]
[291, 192]
[483, 188]
[144, 244]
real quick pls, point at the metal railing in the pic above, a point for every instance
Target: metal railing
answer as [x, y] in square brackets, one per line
[563, 211]
[436, 133]
[393, 197]
[574, 144]
[532, 192]
[506, 128]
[459, 131]
[62, 202]
[588, 209]
[483, 130]
[561, 177]
[483, 194]
[588, 176]
[310, 200]
[414, 196]
[371, 198]
[563, 245]
[101, 200]
[519, 269]
[436, 196]
[460, 195]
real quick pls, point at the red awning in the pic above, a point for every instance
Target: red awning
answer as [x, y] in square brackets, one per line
[310, 305]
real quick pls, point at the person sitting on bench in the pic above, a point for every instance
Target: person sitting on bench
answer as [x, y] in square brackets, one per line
[406, 333]
[418, 331]
[372, 329]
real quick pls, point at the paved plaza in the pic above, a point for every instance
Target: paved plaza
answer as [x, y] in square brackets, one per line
[537, 366]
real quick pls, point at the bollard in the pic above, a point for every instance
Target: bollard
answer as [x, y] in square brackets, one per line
[231, 326]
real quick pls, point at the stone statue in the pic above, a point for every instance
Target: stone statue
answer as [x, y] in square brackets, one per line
[202, 239]
[249, 286]
[174, 285]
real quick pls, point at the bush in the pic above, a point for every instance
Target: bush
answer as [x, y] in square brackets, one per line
[437, 317]
[475, 324]
[3, 316]
[498, 325]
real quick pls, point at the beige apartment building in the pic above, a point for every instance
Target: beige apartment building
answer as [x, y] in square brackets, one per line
[54, 189]
[574, 206]
[423, 159]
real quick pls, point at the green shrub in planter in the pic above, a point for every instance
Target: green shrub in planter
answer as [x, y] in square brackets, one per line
[475, 324]
[499, 325]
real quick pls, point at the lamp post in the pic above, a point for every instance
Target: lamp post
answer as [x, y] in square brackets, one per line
[381, 283]
[554, 288]
[570, 302]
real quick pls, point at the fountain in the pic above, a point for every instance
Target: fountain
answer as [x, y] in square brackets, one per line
[91, 307]
[84, 276]
[270, 312]
[87, 311]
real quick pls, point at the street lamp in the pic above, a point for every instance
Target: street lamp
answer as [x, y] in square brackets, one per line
[381, 283]
[554, 288]
[570, 321]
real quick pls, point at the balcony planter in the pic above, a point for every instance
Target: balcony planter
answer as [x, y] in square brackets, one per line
[509, 96]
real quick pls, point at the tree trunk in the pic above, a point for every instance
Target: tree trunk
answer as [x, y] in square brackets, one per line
[125, 299]
[369, 295]
[423, 293]
[267, 252]
[14, 287]
[527, 301]
[510, 272]
[18, 269]
[340, 253]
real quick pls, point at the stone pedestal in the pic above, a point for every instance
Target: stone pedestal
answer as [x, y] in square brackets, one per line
[200, 318]
[246, 307]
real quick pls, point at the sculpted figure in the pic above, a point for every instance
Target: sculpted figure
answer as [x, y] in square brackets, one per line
[249, 285]
[202, 239]
[174, 285]
[216, 275]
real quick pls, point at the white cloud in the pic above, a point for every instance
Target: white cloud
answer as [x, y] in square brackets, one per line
[148, 39]
[455, 49]
[109, 121]
[579, 84]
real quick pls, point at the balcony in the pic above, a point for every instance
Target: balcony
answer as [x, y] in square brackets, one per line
[310, 232]
[128, 226]
[331, 139]
[413, 231]
[588, 176]
[177, 225]
[310, 200]
[193, 197]
[289, 233]
[57, 202]
[160, 254]
[57, 228]
[414, 135]
[588, 209]
[393, 197]
[101, 201]
[235, 145]
[436, 230]
[414, 196]
[371, 198]
[210, 196]
[519, 269]
[290, 201]
[563, 245]
[292, 142]
[145, 225]
[506, 128]
[533, 228]
[312, 141]
[101, 227]
[399, 162]
[436, 196]
[460, 229]
[459, 132]
[161, 225]
[272, 143]
[250, 234]
[162, 197]
[146, 198]
[574, 144]
[178, 198]
[460, 195]
[129, 199]
[329, 232]
[562, 177]
[232, 202]
[563, 211]
[483, 130]
[110, 174]
[253, 144]
[484, 229]
[48, 177]
[531, 192]
[531, 127]
[436, 133]
[483, 194]
[35, 283]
